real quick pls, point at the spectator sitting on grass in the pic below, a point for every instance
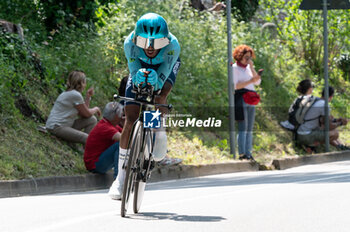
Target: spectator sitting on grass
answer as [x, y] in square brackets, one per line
[312, 132]
[305, 89]
[102, 146]
[63, 120]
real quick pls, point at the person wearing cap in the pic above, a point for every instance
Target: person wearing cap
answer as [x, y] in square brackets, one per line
[245, 78]
[102, 145]
[152, 53]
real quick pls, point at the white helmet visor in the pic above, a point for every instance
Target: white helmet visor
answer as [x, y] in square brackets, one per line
[154, 43]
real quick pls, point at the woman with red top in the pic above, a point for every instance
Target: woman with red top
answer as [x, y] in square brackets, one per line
[245, 78]
[102, 145]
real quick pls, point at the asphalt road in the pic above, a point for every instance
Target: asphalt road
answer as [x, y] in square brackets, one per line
[307, 198]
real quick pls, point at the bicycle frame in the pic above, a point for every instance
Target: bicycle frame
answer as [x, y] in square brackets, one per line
[136, 171]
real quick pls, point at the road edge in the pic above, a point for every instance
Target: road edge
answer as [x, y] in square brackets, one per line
[88, 182]
[286, 163]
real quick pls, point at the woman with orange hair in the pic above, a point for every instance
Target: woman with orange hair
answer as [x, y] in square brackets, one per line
[245, 78]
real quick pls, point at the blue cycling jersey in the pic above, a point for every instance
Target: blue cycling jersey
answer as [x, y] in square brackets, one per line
[166, 58]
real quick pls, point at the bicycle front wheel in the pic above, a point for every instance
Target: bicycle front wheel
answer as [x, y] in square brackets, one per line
[130, 175]
[140, 183]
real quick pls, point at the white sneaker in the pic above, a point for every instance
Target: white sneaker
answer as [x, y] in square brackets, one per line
[116, 190]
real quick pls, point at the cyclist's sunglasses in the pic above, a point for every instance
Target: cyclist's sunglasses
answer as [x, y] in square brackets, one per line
[154, 43]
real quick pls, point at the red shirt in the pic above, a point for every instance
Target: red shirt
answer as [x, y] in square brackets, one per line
[99, 139]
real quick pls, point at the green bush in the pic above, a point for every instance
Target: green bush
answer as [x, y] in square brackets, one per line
[302, 32]
[344, 64]
[244, 10]
[21, 11]
[58, 13]
[17, 67]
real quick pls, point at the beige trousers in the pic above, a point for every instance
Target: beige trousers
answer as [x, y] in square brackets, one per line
[75, 134]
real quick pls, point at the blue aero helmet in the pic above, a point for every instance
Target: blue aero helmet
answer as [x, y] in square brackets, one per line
[151, 30]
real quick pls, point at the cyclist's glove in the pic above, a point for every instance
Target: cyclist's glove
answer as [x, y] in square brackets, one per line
[140, 77]
[152, 78]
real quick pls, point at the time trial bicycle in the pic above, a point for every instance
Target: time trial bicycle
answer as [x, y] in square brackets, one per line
[139, 162]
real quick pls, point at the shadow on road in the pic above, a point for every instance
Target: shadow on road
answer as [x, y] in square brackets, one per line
[174, 217]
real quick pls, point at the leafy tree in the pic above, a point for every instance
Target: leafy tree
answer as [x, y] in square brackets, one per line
[244, 10]
[302, 31]
[344, 65]
[67, 12]
[17, 10]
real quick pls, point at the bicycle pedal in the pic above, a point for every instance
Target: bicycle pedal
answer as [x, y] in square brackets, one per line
[153, 164]
[148, 176]
[139, 176]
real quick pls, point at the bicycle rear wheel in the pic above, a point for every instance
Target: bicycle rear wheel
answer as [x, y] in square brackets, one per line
[140, 183]
[138, 196]
[130, 175]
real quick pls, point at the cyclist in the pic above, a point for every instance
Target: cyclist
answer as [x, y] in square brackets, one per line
[152, 52]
